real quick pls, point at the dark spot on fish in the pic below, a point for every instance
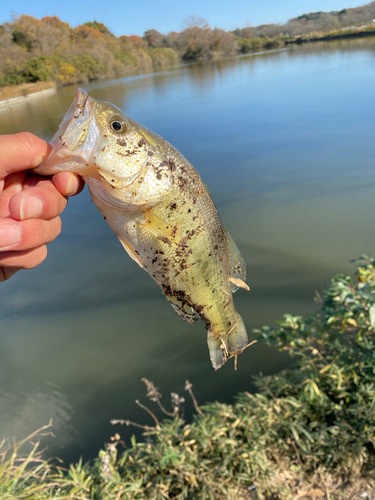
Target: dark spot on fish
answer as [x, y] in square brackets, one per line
[105, 135]
[172, 165]
[104, 148]
[154, 260]
[121, 142]
[150, 153]
[164, 164]
[182, 182]
[216, 247]
[141, 142]
[158, 176]
[209, 254]
[136, 251]
[104, 217]
[173, 206]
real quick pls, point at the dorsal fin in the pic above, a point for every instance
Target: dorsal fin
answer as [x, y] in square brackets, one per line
[237, 276]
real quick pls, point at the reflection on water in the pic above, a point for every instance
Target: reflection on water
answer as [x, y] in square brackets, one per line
[285, 142]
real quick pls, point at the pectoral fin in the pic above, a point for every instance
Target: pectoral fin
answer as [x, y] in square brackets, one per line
[130, 250]
[161, 229]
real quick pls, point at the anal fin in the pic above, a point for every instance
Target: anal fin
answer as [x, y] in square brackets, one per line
[190, 316]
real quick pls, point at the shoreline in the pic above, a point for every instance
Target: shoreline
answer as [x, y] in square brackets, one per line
[328, 38]
[12, 101]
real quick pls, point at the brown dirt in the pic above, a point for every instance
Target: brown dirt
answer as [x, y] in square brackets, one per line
[23, 89]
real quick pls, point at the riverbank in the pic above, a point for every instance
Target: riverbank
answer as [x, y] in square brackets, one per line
[307, 433]
[334, 35]
[15, 94]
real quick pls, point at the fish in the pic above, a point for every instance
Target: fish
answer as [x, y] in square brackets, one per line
[162, 213]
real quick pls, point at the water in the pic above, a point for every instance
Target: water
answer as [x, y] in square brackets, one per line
[285, 141]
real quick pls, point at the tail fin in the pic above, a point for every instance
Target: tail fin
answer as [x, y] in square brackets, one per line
[225, 346]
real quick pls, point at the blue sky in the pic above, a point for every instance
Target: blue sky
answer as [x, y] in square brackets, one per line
[126, 17]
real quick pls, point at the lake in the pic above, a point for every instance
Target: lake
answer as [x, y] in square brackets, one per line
[285, 142]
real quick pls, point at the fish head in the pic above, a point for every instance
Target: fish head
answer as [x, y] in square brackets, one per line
[98, 141]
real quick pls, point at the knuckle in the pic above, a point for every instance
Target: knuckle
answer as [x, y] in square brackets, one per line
[29, 142]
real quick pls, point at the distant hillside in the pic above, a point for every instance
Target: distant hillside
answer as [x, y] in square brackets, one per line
[315, 22]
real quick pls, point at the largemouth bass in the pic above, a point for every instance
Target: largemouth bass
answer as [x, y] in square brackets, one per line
[162, 213]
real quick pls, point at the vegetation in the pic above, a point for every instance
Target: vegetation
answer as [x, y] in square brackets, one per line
[24, 89]
[48, 49]
[314, 23]
[308, 432]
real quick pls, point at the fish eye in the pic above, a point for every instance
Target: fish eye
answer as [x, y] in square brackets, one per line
[118, 125]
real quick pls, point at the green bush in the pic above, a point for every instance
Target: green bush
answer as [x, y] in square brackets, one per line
[126, 57]
[36, 70]
[250, 44]
[164, 57]
[87, 67]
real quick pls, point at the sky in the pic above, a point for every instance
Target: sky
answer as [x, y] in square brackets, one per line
[129, 17]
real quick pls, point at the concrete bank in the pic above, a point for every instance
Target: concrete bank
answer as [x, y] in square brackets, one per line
[7, 103]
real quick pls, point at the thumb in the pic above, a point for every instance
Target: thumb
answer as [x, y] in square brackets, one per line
[20, 152]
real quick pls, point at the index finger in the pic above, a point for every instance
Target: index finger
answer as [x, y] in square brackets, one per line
[20, 152]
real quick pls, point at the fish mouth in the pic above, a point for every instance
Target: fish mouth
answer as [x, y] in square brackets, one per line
[75, 140]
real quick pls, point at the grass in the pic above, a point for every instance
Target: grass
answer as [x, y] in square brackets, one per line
[309, 431]
[24, 89]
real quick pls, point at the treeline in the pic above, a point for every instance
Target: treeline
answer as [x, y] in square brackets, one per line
[314, 23]
[45, 49]
[33, 50]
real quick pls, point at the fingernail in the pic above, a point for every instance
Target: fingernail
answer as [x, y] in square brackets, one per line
[30, 207]
[71, 187]
[10, 235]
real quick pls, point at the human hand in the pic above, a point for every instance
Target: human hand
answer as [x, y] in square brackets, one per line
[29, 204]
